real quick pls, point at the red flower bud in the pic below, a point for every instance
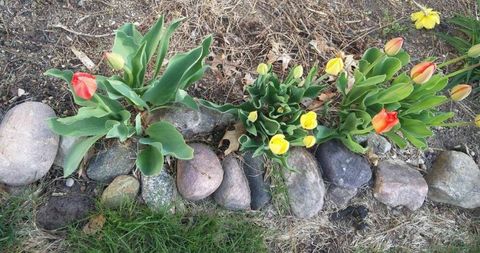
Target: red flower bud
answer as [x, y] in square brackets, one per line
[393, 46]
[84, 85]
[422, 72]
[384, 121]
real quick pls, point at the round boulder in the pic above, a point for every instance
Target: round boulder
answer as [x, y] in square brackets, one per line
[27, 145]
[200, 177]
[233, 193]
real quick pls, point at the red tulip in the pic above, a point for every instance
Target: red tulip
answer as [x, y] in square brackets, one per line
[84, 85]
[422, 72]
[393, 46]
[384, 121]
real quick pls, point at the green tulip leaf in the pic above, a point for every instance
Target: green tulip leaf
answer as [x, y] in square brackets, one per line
[171, 139]
[76, 153]
[150, 160]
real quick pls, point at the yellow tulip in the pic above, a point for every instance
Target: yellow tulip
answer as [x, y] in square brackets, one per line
[253, 116]
[309, 141]
[426, 18]
[460, 92]
[477, 120]
[278, 145]
[262, 69]
[334, 66]
[474, 51]
[298, 71]
[309, 120]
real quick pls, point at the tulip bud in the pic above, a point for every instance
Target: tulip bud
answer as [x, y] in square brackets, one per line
[84, 85]
[460, 92]
[115, 60]
[393, 46]
[422, 72]
[278, 145]
[298, 71]
[477, 120]
[474, 51]
[384, 121]
[253, 116]
[262, 69]
[309, 141]
[334, 66]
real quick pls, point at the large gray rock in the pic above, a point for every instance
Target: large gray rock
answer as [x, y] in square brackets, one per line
[340, 196]
[123, 189]
[233, 193]
[111, 162]
[254, 169]
[455, 179]
[66, 143]
[305, 186]
[61, 211]
[27, 145]
[398, 184]
[159, 192]
[190, 122]
[200, 177]
[342, 167]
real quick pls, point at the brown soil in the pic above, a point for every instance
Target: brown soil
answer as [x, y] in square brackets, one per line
[38, 35]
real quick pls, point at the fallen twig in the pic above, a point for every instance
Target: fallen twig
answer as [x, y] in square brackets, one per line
[82, 34]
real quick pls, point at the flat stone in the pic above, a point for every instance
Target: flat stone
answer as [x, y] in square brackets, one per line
[27, 145]
[191, 122]
[454, 179]
[305, 186]
[342, 167]
[233, 193]
[123, 189]
[61, 211]
[200, 177]
[254, 169]
[111, 162]
[159, 192]
[398, 184]
[340, 196]
[66, 143]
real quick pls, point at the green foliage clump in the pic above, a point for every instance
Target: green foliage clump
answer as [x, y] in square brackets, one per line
[273, 108]
[108, 112]
[466, 33]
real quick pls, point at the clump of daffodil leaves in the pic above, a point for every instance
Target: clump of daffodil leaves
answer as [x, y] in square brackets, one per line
[273, 116]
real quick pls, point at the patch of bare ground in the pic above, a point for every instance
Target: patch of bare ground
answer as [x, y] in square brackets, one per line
[38, 35]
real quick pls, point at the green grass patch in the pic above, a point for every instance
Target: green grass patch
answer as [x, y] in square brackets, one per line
[137, 229]
[14, 212]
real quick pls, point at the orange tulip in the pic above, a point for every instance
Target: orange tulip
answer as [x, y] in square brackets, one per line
[384, 121]
[460, 92]
[393, 46]
[422, 72]
[84, 85]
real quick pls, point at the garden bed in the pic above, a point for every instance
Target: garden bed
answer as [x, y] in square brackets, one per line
[40, 36]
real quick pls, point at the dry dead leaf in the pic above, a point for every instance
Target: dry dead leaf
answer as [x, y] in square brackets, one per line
[94, 225]
[278, 54]
[83, 58]
[232, 137]
[320, 45]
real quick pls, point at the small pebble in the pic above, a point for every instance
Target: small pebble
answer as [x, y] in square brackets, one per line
[69, 182]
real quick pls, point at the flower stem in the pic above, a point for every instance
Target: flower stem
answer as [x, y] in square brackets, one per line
[454, 60]
[457, 124]
[462, 70]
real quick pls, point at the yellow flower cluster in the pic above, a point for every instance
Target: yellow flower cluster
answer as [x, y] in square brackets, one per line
[278, 145]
